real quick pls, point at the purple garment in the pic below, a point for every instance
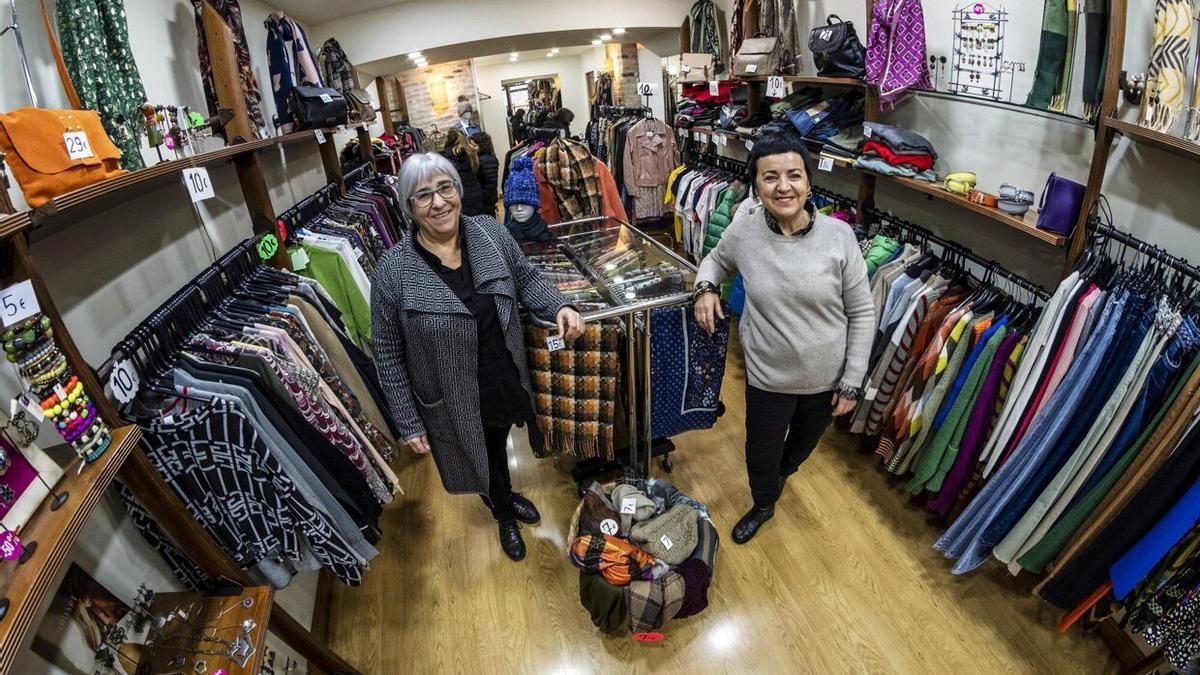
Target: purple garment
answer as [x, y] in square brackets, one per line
[696, 578]
[896, 57]
[17, 478]
[976, 433]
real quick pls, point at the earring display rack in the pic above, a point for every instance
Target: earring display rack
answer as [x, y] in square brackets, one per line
[205, 622]
[978, 50]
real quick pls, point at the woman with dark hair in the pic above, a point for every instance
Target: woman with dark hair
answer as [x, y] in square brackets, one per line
[489, 171]
[561, 119]
[463, 154]
[808, 322]
[517, 124]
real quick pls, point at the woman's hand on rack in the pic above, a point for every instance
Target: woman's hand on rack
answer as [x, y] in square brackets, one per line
[420, 444]
[842, 405]
[570, 323]
[708, 310]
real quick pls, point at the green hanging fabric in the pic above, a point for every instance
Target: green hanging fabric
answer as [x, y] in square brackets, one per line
[94, 37]
[1062, 92]
[1052, 54]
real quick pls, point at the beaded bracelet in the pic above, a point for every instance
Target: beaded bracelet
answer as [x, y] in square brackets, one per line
[39, 323]
[35, 355]
[98, 449]
[47, 366]
[49, 376]
[72, 385]
[74, 435]
[89, 435]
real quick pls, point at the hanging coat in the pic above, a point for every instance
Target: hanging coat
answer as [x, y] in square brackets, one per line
[426, 345]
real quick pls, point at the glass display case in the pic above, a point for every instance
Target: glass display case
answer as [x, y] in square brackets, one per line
[606, 265]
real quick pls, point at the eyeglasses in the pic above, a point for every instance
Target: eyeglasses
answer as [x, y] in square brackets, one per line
[424, 198]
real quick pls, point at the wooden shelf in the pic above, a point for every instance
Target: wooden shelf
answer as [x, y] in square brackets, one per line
[27, 585]
[813, 79]
[13, 224]
[1175, 145]
[95, 197]
[221, 614]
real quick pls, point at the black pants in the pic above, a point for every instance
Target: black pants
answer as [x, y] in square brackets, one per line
[781, 432]
[500, 494]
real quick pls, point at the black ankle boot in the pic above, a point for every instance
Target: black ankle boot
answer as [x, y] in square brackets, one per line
[524, 509]
[510, 540]
[748, 526]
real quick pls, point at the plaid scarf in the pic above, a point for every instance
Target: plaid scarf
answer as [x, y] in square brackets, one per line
[617, 560]
[652, 603]
[575, 390]
[571, 171]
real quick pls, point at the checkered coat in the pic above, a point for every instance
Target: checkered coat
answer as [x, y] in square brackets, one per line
[426, 345]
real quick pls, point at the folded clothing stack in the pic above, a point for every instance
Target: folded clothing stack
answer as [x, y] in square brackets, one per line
[645, 552]
[894, 151]
[700, 107]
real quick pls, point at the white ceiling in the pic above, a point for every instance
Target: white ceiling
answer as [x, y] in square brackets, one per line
[537, 54]
[319, 11]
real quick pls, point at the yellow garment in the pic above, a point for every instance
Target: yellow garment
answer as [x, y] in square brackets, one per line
[955, 336]
[670, 199]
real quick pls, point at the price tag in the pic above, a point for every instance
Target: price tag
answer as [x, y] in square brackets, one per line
[267, 246]
[60, 392]
[775, 88]
[714, 88]
[682, 133]
[18, 302]
[646, 89]
[826, 164]
[77, 144]
[866, 132]
[752, 68]
[629, 506]
[610, 527]
[685, 69]
[198, 184]
[749, 145]
[10, 546]
[124, 381]
[30, 407]
[320, 135]
[722, 140]
[555, 343]
[299, 259]
[326, 98]
[666, 542]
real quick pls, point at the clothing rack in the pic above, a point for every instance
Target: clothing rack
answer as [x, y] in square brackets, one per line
[357, 175]
[716, 161]
[1100, 230]
[840, 200]
[989, 266]
[545, 133]
[310, 207]
[614, 111]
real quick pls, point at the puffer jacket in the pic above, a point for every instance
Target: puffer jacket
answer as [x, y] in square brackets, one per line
[721, 216]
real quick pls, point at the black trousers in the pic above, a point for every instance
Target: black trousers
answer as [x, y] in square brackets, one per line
[500, 495]
[781, 432]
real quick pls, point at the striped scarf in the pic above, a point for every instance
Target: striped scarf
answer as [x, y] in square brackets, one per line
[1166, 77]
[705, 33]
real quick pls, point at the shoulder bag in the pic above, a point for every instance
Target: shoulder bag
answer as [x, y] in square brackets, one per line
[359, 105]
[695, 68]
[757, 57]
[316, 107]
[836, 50]
[1061, 202]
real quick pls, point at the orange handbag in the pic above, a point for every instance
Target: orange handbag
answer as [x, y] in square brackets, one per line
[36, 141]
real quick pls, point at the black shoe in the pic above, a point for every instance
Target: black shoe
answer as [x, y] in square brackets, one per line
[510, 540]
[524, 509]
[748, 526]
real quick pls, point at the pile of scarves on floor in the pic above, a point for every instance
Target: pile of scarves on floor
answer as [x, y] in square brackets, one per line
[894, 151]
[645, 552]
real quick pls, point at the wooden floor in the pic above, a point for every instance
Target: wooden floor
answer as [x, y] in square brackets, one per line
[844, 579]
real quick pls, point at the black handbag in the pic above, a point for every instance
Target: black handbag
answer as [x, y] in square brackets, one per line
[836, 50]
[316, 107]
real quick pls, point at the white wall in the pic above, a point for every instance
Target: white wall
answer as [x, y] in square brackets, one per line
[650, 69]
[488, 79]
[112, 268]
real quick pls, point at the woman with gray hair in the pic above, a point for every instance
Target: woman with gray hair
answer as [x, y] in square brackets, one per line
[448, 339]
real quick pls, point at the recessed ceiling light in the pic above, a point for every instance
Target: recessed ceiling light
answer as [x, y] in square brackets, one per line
[606, 37]
[618, 31]
[597, 41]
[415, 56]
[514, 57]
[554, 51]
[550, 55]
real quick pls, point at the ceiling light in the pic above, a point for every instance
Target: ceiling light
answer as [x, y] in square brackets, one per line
[415, 56]
[597, 41]
[554, 51]
[618, 31]
[606, 37]
[549, 55]
[514, 57]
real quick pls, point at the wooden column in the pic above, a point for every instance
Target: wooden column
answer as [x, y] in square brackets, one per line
[385, 104]
[331, 161]
[364, 146]
[868, 182]
[226, 81]
[258, 202]
[1104, 133]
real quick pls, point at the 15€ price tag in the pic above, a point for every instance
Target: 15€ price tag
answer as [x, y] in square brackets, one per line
[198, 184]
[18, 302]
[320, 136]
[124, 381]
[555, 343]
[77, 144]
[775, 87]
[826, 164]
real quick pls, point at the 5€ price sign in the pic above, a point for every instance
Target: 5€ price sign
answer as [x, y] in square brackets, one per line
[775, 87]
[124, 381]
[645, 88]
[18, 302]
[198, 184]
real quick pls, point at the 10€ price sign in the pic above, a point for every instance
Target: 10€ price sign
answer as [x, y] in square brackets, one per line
[775, 87]
[267, 246]
[124, 381]
[645, 88]
[198, 184]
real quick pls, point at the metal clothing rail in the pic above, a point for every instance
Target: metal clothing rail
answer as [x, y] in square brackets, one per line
[623, 111]
[1155, 253]
[635, 319]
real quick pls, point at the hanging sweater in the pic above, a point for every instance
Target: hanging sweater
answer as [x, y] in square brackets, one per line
[809, 317]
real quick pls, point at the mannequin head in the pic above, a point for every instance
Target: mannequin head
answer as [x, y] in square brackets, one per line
[520, 212]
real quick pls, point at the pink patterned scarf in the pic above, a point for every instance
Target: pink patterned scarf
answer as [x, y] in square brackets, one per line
[896, 49]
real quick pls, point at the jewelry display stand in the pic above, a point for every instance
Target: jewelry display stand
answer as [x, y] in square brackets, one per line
[203, 633]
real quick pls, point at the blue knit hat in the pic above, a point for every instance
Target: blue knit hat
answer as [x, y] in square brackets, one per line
[521, 186]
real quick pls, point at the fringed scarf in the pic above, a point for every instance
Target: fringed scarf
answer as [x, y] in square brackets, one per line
[1062, 92]
[777, 18]
[896, 49]
[706, 31]
[1095, 19]
[1166, 78]
[1052, 55]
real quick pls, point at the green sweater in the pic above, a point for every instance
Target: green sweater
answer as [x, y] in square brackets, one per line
[721, 216]
[329, 269]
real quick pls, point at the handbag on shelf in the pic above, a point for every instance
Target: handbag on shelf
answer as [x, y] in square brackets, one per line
[360, 107]
[697, 68]
[836, 50]
[1061, 202]
[52, 152]
[316, 107]
[757, 57]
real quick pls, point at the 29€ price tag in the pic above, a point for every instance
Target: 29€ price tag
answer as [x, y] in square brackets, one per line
[326, 98]
[320, 135]
[775, 87]
[198, 184]
[78, 146]
[826, 164]
[555, 343]
[18, 302]
[124, 381]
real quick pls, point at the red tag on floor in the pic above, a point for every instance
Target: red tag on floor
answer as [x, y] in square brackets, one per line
[648, 637]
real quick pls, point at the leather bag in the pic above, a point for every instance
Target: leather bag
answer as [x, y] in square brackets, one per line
[697, 68]
[316, 107]
[360, 107]
[757, 57]
[35, 142]
[1061, 202]
[836, 50]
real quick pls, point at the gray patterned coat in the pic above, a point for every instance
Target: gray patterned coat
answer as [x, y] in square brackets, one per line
[426, 345]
